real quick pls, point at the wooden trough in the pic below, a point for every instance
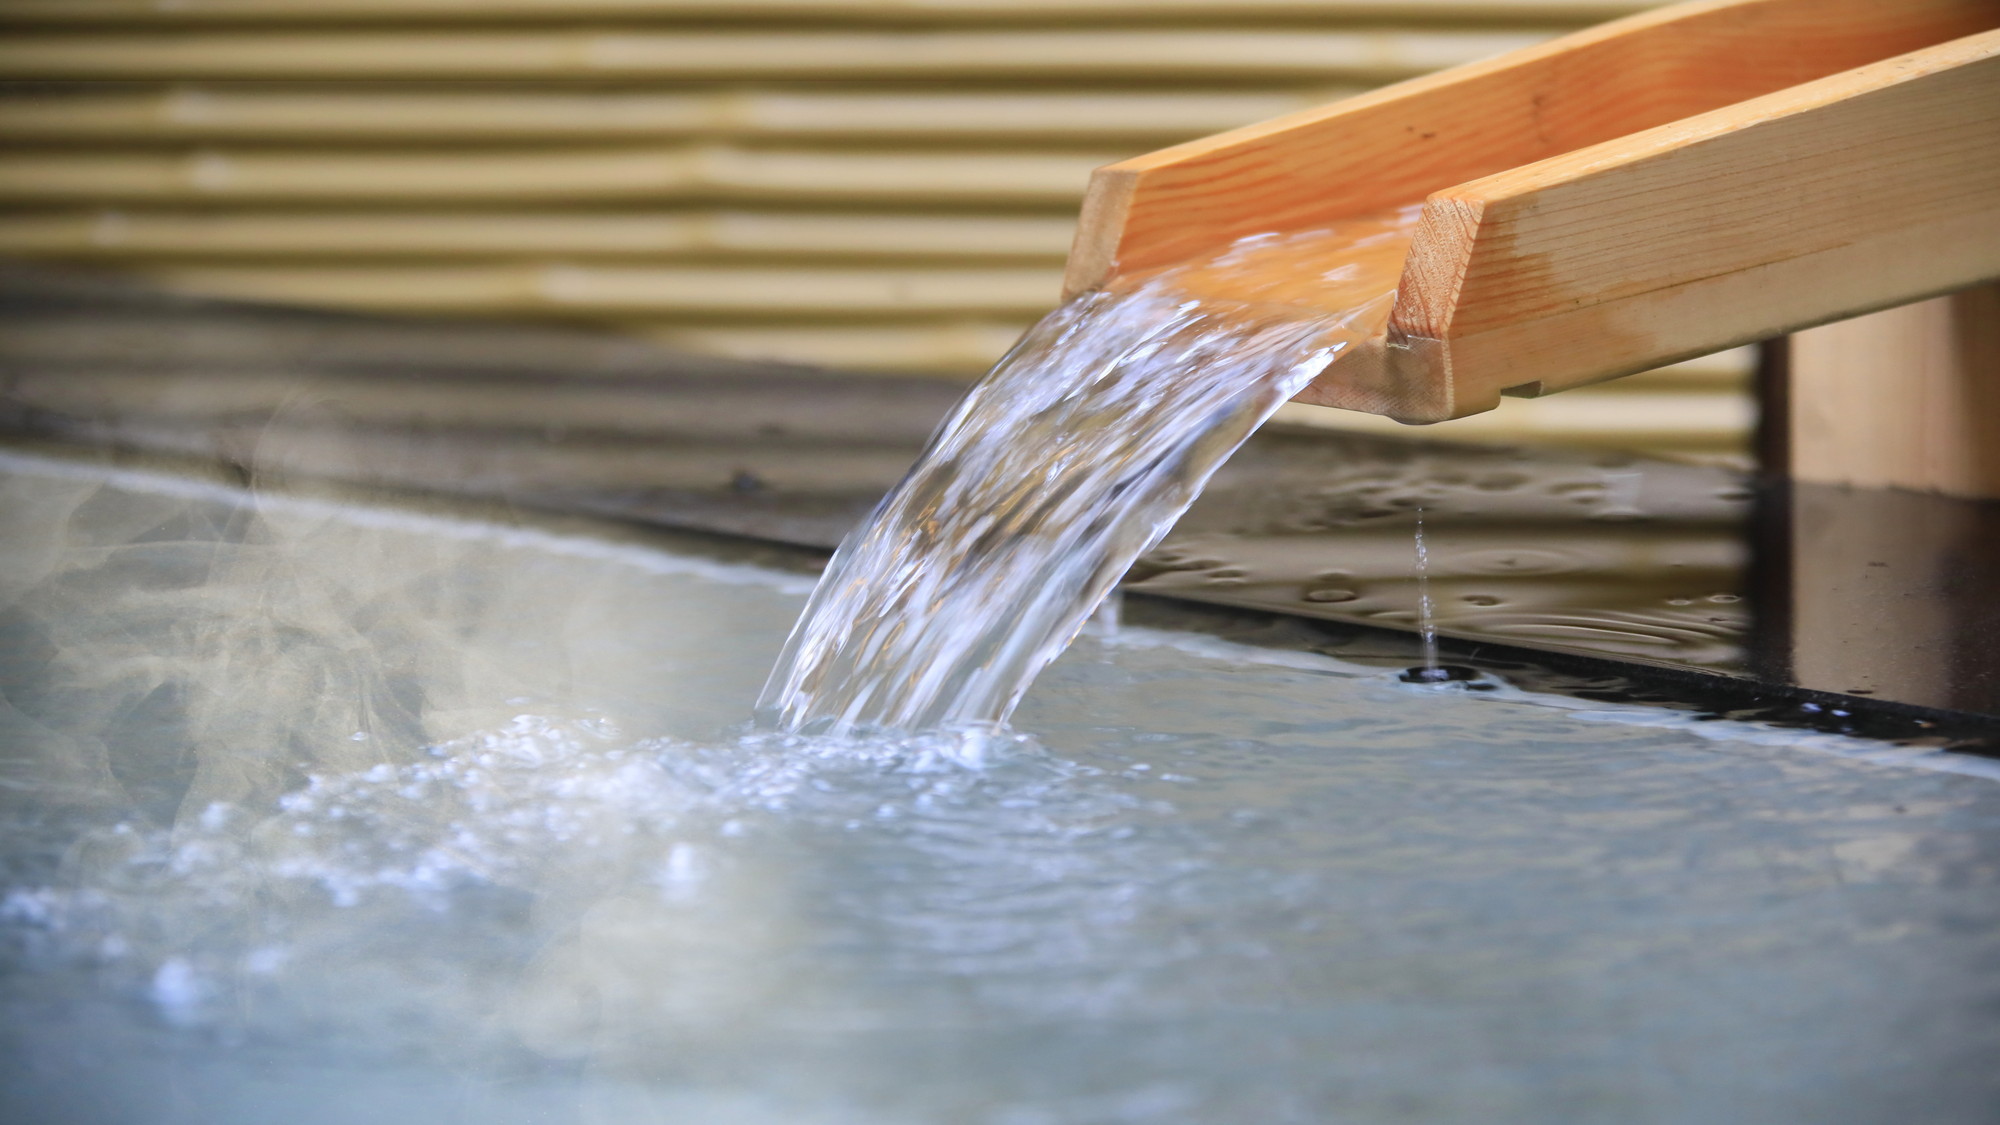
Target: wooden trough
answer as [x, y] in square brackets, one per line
[1658, 188]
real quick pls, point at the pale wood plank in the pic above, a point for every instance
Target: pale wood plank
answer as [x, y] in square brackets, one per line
[1660, 421]
[318, 115]
[1904, 398]
[955, 349]
[124, 235]
[86, 12]
[600, 291]
[519, 175]
[693, 55]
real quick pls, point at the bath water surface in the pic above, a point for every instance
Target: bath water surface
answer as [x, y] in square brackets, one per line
[319, 813]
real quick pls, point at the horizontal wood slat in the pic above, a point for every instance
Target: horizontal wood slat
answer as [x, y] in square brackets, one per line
[708, 55]
[117, 235]
[1687, 422]
[333, 114]
[86, 12]
[601, 291]
[660, 174]
[956, 348]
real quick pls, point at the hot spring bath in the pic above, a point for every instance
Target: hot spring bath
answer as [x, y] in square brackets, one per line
[322, 812]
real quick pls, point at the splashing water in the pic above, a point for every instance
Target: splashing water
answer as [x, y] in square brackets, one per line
[1071, 458]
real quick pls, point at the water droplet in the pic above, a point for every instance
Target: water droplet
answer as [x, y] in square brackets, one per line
[1426, 614]
[1330, 594]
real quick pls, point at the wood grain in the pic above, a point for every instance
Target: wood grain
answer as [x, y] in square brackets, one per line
[1904, 398]
[121, 235]
[296, 115]
[605, 291]
[90, 12]
[683, 55]
[649, 173]
[1402, 143]
[1867, 189]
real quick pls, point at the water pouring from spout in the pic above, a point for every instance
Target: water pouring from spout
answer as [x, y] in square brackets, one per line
[1059, 468]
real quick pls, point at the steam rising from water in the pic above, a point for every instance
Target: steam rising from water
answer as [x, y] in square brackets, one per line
[549, 883]
[295, 771]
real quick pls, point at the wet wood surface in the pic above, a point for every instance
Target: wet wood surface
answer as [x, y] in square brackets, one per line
[1396, 145]
[1658, 188]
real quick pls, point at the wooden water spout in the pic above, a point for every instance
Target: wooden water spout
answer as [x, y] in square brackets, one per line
[1654, 189]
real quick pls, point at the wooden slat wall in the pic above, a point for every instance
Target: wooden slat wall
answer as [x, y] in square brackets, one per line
[860, 183]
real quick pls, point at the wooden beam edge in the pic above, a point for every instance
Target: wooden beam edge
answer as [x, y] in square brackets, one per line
[1459, 224]
[1093, 255]
[1101, 231]
[1664, 141]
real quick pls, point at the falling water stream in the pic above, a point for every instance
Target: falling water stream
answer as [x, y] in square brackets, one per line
[1426, 612]
[1071, 458]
